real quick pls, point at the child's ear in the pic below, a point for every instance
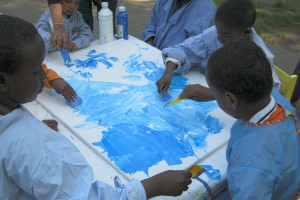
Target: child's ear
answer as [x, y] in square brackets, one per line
[232, 99]
[3, 85]
[248, 31]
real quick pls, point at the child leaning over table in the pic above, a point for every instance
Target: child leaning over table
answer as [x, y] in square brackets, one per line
[234, 20]
[78, 32]
[263, 151]
[37, 162]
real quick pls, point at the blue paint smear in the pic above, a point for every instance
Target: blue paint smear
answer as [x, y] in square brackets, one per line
[114, 59]
[132, 77]
[212, 174]
[140, 131]
[86, 75]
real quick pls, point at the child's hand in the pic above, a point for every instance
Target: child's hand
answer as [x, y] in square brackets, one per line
[165, 81]
[197, 92]
[168, 183]
[150, 41]
[71, 46]
[62, 87]
[51, 123]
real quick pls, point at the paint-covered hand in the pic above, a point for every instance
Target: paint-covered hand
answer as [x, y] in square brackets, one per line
[62, 87]
[51, 123]
[71, 46]
[164, 82]
[197, 92]
[168, 183]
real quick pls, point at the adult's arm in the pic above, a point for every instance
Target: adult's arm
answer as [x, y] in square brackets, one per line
[150, 29]
[58, 36]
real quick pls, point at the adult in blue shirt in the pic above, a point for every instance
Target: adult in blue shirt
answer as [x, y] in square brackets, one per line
[173, 21]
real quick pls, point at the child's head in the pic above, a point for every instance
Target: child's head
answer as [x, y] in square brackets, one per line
[239, 74]
[22, 52]
[69, 6]
[234, 20]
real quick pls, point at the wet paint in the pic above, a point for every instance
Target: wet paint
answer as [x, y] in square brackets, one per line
[140, 131]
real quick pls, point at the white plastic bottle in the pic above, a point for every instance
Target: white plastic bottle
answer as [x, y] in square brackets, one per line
[105, 18]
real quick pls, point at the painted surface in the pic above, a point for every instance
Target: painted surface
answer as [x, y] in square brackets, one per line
[125, 119]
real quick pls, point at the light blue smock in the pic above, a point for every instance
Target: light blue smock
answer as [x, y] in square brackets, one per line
[39, 163]
[169, 29]
[76, 29]
[264, 162]
[196, 51]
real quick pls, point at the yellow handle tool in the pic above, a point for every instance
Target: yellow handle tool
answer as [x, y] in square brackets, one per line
[175, 101]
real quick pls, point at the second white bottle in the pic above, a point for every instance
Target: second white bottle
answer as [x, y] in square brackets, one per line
[105, 18]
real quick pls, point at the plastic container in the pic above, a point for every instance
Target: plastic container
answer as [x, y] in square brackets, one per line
[105, 18]
[122, 19]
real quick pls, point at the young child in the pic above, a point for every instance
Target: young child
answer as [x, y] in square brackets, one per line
[78, 33]
[172, 21]
[234, 20]
[263, 151]
[37, 162]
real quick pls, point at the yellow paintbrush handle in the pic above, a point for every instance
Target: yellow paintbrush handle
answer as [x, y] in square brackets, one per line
[175, 101]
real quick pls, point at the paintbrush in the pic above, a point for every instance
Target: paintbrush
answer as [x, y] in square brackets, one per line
[196, 170]
[175, 101]
[76, 103]
[66, 56]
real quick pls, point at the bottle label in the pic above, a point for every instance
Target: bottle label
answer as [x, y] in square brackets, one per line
[120, 31]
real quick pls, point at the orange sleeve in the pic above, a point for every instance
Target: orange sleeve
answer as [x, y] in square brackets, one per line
[51, 75]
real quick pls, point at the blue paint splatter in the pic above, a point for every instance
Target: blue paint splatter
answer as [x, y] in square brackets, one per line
[132, 77]
[212, 174]
[140, 131]
[114, 59]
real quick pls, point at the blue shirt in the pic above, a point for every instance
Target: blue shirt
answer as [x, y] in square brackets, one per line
[169, 28]
[76, 29]
[263, 162]
[196, 51]
[39, 163]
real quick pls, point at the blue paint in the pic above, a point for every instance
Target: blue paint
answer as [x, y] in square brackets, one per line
[140, 131]
[114, 59]
[86, 75]
[212, 174]
[105, 62]
[132, 77]
[165, 97]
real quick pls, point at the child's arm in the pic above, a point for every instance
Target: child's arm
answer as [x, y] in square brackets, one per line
[197, 92]
[85, 34]
[58, 84]
[150, 29]
[44, 28]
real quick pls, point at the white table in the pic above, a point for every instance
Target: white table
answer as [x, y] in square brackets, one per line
[105, 172]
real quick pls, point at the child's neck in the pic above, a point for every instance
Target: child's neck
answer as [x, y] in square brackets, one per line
[249, 110]
[7, 106]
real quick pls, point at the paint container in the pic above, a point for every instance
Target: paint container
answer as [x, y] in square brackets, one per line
[122, 18]
[105, 18]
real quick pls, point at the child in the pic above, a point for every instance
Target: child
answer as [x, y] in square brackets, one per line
[172, 21]
[37, 162]
[78, 33]
[263, 151]
[234, 19]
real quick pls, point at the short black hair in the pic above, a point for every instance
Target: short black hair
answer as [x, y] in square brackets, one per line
[242, 69]
[14, 34]
[238, 14]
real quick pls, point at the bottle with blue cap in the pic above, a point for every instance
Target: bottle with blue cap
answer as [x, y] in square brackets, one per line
[105, 18]
[122, 19]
